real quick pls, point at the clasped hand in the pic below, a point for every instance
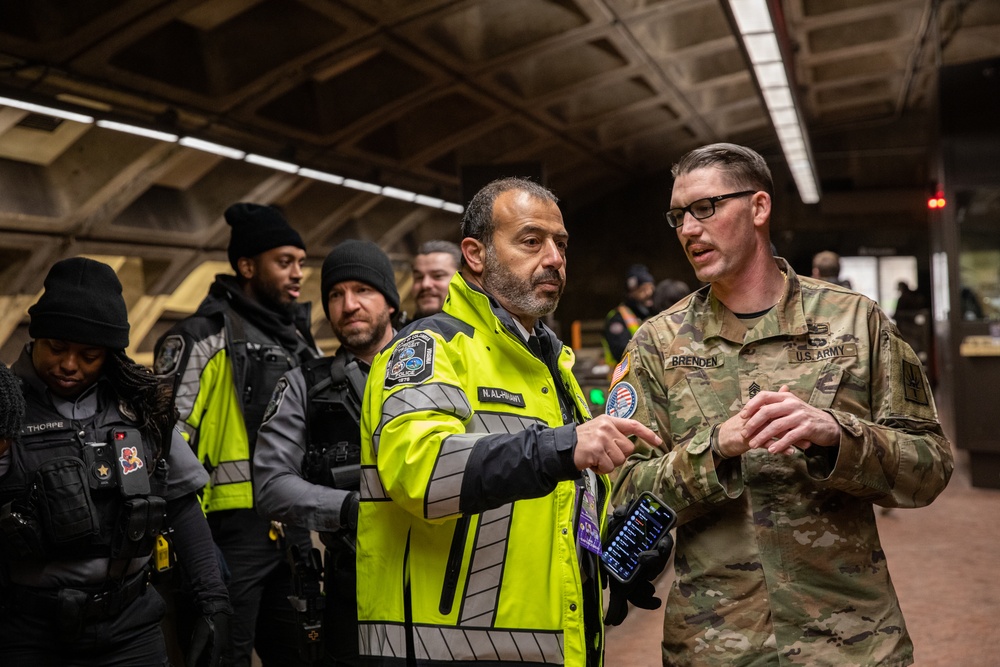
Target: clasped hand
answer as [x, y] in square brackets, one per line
[778, 421]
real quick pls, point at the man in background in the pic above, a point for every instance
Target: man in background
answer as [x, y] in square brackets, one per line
[622, 322]
[435, 264]
[668, 292]
[826, 266]
[309, 449]
[224, 362]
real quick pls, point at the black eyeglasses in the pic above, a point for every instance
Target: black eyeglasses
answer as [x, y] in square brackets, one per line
[700, 209]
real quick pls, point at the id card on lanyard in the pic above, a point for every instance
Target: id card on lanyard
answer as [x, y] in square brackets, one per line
[588, 530]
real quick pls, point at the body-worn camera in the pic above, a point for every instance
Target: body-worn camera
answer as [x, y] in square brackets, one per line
[120, 462]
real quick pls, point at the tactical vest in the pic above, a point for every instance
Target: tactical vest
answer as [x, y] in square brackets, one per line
[258, 364]
[80, 490]
[334, 390]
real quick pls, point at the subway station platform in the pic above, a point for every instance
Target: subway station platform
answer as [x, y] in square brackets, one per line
[944, 563]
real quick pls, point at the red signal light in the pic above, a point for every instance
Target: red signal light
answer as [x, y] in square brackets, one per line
[937, 201]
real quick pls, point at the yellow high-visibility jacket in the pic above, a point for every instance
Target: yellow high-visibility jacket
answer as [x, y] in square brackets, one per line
[469, 497]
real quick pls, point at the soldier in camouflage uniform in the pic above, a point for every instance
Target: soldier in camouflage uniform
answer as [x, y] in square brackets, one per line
[790, 407]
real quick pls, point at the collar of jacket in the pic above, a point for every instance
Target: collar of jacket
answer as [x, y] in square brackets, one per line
[786, 318]
[465, 299]
[226, 292]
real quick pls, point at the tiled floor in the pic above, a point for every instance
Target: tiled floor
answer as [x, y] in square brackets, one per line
[945, 563]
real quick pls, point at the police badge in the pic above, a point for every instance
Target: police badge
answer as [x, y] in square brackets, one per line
[412, 361]
[169, 356]
[276, 396]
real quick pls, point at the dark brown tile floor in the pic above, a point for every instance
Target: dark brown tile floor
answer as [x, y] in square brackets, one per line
[945, 563]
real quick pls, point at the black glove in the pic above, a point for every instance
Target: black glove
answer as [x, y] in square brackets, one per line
[210, 640]
[640, 591]
[349, 511]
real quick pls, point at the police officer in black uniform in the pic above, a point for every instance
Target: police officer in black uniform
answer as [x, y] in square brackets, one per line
[86, 491]
[307, 460]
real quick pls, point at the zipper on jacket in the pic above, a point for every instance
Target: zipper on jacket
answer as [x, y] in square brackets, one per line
[454, 566]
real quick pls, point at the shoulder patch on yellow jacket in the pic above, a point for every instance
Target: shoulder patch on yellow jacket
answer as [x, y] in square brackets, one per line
[412, 361]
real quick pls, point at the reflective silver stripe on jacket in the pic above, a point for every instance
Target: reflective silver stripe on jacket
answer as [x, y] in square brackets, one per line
[231, 472]
[436, 397]
[479, 604]
[187, 389]
[382, 639]
[371, 484]
[493, 422]
[455, 644]
[444, 490]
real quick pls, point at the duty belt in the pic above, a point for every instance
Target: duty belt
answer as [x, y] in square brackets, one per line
[90, 605]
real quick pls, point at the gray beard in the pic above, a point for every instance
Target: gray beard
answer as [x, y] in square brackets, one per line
[499, 281]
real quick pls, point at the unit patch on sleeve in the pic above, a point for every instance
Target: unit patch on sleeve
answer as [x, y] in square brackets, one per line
[621, 401]
[276, 397]
[412, 361]
[914, 389]
[498, 395]
[169, 356]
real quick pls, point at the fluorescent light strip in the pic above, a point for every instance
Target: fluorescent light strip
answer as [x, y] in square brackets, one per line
[209, 147]
[771, 75]
[753, 20]
[433, 202]
[396, 193]
[763, 48]
[751, 15]
[271, 163]
[361, 185]
[321, 176]
[235, 154]
[46, 111]
[140, 131]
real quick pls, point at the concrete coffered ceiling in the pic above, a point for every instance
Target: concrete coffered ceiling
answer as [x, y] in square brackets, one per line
[404, 93]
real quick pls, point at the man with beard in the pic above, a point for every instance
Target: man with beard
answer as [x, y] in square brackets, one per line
[308, 450]
[483, 484]
[224, 362]
[433, 267]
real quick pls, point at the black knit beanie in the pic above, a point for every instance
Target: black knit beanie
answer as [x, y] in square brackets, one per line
[257, 229]
[82, 303]
[363, 261]
[637, 275]
[11, 404]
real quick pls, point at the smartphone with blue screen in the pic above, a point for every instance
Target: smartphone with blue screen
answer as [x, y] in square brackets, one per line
[648, 519]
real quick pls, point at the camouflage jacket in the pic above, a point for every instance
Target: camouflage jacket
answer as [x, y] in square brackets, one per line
[778, 558]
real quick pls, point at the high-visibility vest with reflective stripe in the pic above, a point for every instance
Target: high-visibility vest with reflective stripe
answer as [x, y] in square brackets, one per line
[632, 323]
[222, 443]
[501, 586]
